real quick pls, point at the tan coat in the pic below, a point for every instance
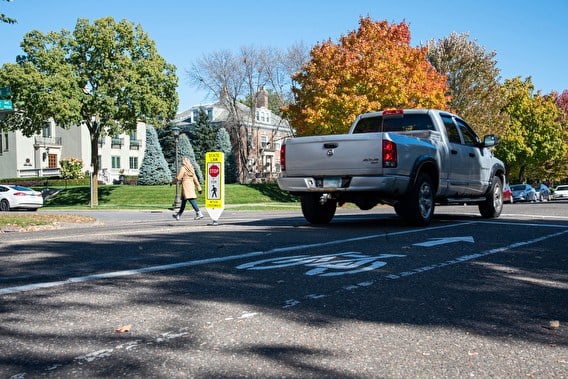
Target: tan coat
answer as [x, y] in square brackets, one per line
[188, 179]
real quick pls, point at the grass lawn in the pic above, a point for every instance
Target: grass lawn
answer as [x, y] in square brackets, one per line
[23, 220]
[162, 196]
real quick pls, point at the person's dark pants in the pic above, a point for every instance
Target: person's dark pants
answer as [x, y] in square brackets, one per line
[193, 204]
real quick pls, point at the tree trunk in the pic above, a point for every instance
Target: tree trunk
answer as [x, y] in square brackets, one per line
[95, 169]
[522, 174]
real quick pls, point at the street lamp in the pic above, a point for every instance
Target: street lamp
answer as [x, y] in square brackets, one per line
[177, 200]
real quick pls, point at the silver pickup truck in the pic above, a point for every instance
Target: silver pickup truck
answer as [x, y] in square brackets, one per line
[411, 159]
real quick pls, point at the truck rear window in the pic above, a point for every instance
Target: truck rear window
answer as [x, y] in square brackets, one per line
[400, 123]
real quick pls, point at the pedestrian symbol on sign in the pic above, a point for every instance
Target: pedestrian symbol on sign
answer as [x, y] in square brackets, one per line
[214, 196]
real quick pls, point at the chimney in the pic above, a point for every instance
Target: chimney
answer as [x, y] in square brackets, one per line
[262, 98]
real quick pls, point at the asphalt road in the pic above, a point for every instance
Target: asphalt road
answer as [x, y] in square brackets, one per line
[264, 294]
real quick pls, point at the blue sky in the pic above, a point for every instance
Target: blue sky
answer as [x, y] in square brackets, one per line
[529, 37]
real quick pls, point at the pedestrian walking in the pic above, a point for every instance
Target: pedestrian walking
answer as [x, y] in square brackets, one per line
[189, 183]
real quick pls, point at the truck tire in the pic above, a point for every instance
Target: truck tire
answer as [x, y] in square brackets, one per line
[315, 212]
[417, 208]
[493, 204]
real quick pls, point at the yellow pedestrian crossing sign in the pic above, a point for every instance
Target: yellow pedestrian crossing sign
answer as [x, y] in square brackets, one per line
[215, 184]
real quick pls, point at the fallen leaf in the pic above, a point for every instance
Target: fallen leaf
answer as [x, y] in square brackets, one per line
[123, 329]
[554, 324]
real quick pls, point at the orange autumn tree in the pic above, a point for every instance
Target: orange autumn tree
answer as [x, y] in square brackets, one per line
[369, 69]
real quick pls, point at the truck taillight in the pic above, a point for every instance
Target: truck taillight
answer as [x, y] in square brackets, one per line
[283, 157]
[390, 158]
[393, 112]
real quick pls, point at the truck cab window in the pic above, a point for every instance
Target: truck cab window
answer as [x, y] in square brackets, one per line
[368, 125]
[469, 136]
[451, 129]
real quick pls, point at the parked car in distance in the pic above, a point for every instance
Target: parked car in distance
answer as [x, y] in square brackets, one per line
[507, 194]
[524, 192]
[560, 192]
[19, 197]
[543, 192]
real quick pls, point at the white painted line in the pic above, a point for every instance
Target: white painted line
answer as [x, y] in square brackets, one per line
[444, 241]
[522, 224]
[124, 273]
[469, 257]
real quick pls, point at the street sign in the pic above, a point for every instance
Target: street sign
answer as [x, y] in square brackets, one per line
[214, 184]
[6, 105]
[5, 92]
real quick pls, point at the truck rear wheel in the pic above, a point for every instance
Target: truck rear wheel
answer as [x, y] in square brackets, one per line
[417, 207]
[493, 204]
[314, 211]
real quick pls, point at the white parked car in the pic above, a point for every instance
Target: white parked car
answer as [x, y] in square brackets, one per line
[19, 197]
[560, 192]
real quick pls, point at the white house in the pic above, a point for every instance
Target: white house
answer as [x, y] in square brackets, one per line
[39, 155]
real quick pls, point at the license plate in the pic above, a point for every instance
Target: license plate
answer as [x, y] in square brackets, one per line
[332, 182]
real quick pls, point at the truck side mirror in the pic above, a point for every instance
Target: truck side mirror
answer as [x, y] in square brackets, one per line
[490, 140]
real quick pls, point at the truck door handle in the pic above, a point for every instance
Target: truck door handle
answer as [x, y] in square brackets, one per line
[330, 145]
[455, 152]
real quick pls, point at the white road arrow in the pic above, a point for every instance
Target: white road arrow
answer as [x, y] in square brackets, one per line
[443, 241]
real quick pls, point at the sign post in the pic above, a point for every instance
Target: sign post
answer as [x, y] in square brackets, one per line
[215, 184]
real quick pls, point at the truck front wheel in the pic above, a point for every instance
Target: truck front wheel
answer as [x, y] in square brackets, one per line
[418, 205]
[314, 211]
[493, 204]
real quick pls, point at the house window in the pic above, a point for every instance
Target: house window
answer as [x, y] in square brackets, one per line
[3, 145]
[115, 161]
[133, 162]
[134, 142]
[116, 142]
[46, 131]
[257, 115]
[210, 113]
[264, 140]
[195, 114]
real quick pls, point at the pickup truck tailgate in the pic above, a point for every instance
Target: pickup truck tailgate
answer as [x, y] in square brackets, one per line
[356, 154]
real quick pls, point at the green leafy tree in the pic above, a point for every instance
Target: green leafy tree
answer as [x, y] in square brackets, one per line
[534, 140]
[154, 168]
[203, 136]
[6, 19]
[561, 101]
[474, 87]
[105, 75]
[223, 143]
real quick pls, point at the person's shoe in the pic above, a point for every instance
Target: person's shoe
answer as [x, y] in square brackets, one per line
[176, 216]
[198, 216]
